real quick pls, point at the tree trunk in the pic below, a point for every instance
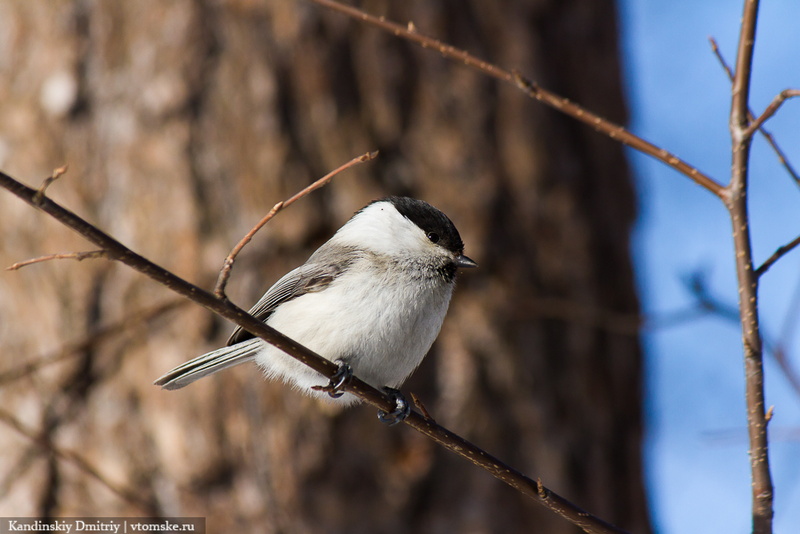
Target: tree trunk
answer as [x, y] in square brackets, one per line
[183, 122]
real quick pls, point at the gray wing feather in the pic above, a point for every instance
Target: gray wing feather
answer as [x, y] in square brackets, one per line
[314, 275]
[208, 364]
[318, 272]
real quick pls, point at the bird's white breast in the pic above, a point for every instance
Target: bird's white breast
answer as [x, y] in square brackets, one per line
[381, 317]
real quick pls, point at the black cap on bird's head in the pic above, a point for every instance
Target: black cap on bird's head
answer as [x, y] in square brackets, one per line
[437, 226]
[407, 227]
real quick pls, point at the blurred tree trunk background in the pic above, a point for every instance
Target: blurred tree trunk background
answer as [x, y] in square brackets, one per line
[183, 122]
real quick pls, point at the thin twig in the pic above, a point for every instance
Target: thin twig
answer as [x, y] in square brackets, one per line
[778, 254]
[57, 173]
[80, 256]
[421, 407]
[357, 387]
[782, 159]
[770, 110]
[720, 58]
[615, 131]
[762, 490]
[225, 272]
[127, 494]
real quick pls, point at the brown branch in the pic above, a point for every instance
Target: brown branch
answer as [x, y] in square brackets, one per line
[364, 391]
[127, 494]
[57, 173]
[778, 254]
[762, 491]
[773, 107]
[225, 272]
[721, 58]
[782, 159]
[421, 407]
[80, 256]
[615, 131]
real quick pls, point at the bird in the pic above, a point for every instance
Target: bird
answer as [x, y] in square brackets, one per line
[372, 299]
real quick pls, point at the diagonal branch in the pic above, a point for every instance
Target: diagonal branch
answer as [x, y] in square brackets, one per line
[225, 273]
[364, 391]
[773, 107]
[778, 254]
[615, 131]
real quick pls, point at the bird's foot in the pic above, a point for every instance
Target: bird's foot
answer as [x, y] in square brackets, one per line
[401, 410]
[337, 381]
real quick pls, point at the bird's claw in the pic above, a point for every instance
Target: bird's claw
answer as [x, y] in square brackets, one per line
[337, 381]
[401, 410]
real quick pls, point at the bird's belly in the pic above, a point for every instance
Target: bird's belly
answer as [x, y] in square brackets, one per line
[383, 332]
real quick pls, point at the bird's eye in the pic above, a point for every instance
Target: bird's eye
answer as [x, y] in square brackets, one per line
[433, 236]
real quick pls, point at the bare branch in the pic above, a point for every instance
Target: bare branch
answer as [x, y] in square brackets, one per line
[361, 389]
[225, 272]
[762, 491]
[80, 256]
[720, 58]
[782, 159]
[778, 254]
[618, 133]
[57, 173]
[769, 414]
[773, 107]
[421, 407]
[741, 76]
[615, 131]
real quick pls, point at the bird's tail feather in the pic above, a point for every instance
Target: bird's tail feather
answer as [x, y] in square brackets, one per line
[209, 363]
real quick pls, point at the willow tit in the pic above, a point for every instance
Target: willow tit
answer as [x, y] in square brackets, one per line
[372, 299]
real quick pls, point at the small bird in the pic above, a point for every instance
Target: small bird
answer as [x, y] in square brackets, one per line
[371, 299]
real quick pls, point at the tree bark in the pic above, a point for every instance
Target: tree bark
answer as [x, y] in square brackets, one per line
[183, 122]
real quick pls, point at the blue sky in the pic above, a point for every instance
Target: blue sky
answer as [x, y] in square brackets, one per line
[697, 463]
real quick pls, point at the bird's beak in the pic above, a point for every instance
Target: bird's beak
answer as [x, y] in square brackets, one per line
[463, 262]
